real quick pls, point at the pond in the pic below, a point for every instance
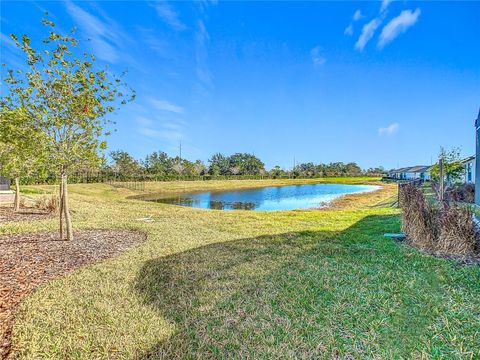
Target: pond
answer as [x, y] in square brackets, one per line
[267, 198]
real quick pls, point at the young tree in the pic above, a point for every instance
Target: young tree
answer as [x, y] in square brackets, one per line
[21, 152]
[452, 165]
[68, 99]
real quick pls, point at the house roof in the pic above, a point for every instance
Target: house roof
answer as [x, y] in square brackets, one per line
[468, 159]
[412, 169]
[419, 169]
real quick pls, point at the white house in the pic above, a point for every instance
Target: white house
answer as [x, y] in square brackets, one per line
[420, 172]
[468, 175]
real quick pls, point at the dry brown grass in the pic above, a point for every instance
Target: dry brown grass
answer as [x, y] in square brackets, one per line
[48, 203]
[458, 234]
[442, 229]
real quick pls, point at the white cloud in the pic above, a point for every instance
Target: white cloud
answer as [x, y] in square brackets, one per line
[106, 39]
[161, 134]
[368, 31]
[390, 130]
[143, 121]
[317, 58]
[384, 5]
[397, 26]
[165, 105]
[348, 30]
[204, 75]
[357, 15]
[7, 40]
[169, 15]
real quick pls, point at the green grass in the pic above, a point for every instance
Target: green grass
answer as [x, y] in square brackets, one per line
[238, 284]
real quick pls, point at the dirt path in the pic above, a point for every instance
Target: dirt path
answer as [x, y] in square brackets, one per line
[6, 198]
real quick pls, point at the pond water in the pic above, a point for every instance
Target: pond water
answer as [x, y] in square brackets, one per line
[268, 198]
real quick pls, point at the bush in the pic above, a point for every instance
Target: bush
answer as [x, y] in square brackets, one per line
[49, 203]
[437, 228]
[458, 233]
[420, 221]
[461, 193]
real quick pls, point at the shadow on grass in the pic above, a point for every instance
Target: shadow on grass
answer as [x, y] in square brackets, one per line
[303, 295]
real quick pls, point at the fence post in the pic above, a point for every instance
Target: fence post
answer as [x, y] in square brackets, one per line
[441, 188]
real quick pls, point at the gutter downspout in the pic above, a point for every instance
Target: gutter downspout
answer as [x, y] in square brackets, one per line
[477, 161]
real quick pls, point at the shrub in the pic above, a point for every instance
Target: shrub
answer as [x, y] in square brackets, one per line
[437, 228]
[461, 193]
[49, 203]
[420, 221]
[458, 233]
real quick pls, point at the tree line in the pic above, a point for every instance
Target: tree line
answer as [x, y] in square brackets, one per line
[159, 166]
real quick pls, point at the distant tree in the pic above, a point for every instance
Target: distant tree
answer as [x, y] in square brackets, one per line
[125, 165]
[277, 172]
[178, 166]
[452, 165]
[200, 168]
[68, 100]
[219, 164]
[158, 163]
[21, 146]
[376, 171]
[353, 169]
[306, 169]
[245, 164]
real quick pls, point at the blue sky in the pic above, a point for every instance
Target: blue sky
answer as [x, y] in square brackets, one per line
[379, 83]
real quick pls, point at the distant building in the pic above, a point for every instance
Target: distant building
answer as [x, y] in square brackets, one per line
[421, 172]
[4, 184]
[468, 175]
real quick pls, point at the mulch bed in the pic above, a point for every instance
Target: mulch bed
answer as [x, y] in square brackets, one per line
[8, 215]
[29, 260]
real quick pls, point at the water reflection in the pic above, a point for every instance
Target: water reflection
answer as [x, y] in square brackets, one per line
[268, 198]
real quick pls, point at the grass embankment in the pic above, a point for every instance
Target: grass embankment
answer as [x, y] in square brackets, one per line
[250, 284]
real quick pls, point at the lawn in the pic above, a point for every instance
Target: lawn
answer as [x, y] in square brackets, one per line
[239, 284]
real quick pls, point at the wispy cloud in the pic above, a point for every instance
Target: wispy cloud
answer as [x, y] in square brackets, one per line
[368, 31]
[6, 40]
[384, 5]
[317, 58]
[165, 105]
[201, 53]
[389, 130]
[169, 15]
[161, 134]
[105, 36]
[397, 26]
[144, 121]
[357, 15]
[348, 30]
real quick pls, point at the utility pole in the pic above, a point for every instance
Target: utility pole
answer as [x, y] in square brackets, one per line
[180, 150]
[293, 169]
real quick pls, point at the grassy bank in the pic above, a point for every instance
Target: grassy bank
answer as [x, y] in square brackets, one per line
[250, 284]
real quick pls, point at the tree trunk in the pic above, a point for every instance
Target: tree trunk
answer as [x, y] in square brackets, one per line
[60, 204]
[17, 195]
[68, 219]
